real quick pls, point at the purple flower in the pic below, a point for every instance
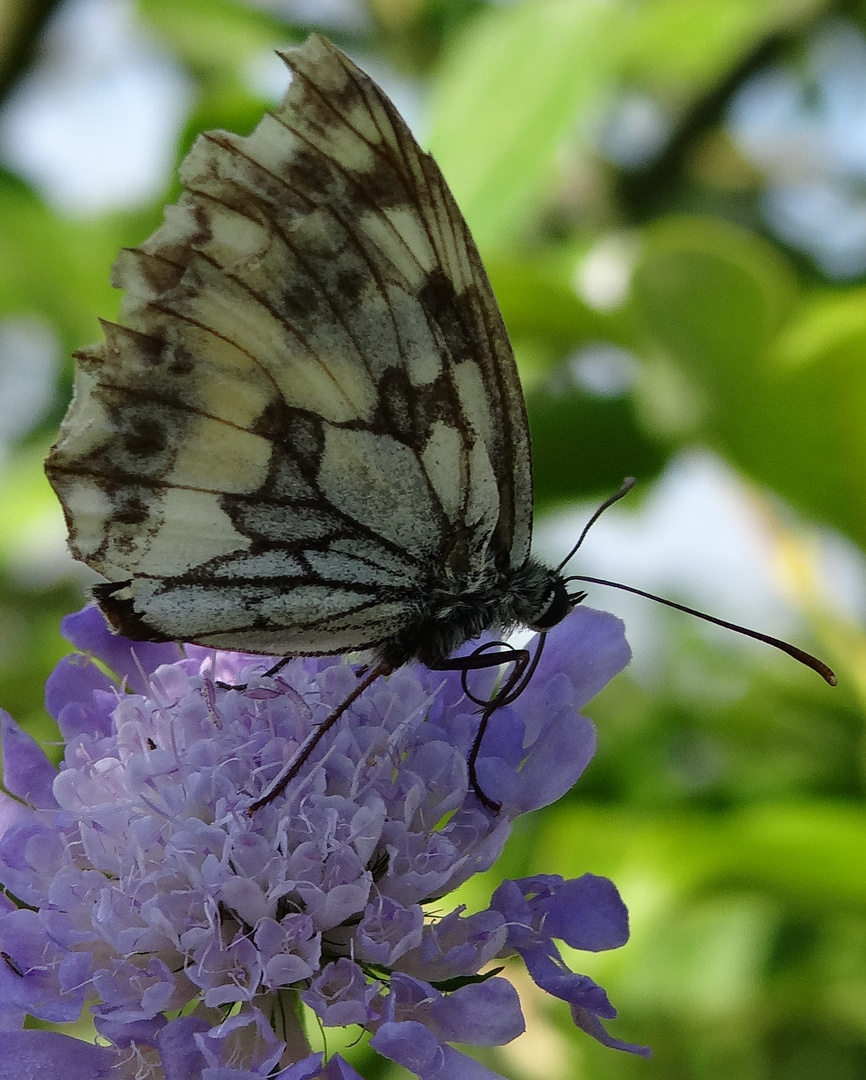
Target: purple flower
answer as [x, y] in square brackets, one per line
[194, 929]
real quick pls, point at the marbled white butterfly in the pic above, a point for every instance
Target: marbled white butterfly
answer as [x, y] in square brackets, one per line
[307, 435]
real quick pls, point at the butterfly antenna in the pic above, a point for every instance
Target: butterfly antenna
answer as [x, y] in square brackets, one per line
[627, 485]
[801, 655]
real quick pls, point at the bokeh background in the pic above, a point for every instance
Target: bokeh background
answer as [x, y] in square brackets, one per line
[670, 196]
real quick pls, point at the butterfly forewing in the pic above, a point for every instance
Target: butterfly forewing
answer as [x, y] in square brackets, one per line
[310, 413]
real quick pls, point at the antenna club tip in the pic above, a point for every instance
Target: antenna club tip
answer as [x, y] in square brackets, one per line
[826, 672]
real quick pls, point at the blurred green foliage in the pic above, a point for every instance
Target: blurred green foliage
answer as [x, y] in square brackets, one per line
[726, 799]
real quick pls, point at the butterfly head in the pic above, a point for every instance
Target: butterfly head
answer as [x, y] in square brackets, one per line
[537, 597]
[559, 603]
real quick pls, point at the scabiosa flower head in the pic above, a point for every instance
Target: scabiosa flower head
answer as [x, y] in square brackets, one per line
[138, 882]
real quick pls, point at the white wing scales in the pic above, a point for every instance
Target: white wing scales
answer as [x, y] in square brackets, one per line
[310, 414]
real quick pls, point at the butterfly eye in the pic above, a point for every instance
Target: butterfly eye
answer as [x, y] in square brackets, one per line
[560, 605]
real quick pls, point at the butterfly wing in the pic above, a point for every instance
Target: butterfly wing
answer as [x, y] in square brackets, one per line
[310, 405]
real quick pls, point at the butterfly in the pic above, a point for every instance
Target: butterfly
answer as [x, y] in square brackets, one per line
[306, 434]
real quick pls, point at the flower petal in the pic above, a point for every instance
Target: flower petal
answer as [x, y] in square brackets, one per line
[34, 1055]
[411, 1045]
[72, 697]
[586, 913]
[590, 647]
[27, 772]
[89, 632]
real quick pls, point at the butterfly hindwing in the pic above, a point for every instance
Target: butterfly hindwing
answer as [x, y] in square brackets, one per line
[310, 405]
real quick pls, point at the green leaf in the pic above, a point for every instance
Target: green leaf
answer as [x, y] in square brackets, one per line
[512, 87]
[680, 48]
[54, 268]
[731, 362]
[524, 78]
[806, 852]
[215, 38]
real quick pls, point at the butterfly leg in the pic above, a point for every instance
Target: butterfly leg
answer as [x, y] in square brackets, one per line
[10, 963]
[491, 804]
[316, 735]
[524, 665]
[278, 666]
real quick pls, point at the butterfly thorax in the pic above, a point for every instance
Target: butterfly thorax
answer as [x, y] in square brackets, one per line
[454, 612]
